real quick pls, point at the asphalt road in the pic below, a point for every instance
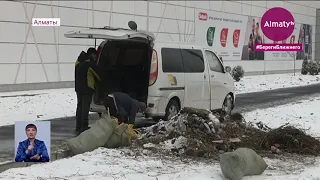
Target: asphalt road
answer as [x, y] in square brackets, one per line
[63, 128]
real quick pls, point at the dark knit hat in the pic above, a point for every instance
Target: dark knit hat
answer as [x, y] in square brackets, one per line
[142, 106]
[91, 51]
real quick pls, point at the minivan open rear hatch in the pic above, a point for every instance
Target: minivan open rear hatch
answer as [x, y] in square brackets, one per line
[109, 33]
[124, 61]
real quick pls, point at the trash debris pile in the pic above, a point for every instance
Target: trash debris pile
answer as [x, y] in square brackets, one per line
[201, 133]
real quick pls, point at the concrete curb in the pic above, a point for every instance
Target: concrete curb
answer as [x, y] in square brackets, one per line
[54, 156]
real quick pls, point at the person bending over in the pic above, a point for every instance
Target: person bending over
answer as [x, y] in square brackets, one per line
[123, 107]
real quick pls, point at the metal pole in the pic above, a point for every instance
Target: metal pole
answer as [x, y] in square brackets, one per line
[294, 64]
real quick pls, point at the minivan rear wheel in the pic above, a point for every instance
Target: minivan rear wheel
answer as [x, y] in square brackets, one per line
[172, 109]
[227, 105]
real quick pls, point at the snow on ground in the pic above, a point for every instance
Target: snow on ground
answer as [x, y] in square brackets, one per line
[275, 81]
[36, 105]
[107, 164]
[303, 114]
[115, 164]
[57, 103]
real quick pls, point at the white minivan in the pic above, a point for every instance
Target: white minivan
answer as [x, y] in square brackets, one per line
[166, 76]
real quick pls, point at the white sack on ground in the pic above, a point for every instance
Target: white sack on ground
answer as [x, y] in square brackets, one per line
[96, 136]
[120, 138]
[242, 162]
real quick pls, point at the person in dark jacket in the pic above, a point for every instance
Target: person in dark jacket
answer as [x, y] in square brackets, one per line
[123, 107]
[32, 149]
[85, 79]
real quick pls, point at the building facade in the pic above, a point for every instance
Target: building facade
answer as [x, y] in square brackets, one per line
[32, 54]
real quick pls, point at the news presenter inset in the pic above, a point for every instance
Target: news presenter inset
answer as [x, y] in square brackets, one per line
[32, 141]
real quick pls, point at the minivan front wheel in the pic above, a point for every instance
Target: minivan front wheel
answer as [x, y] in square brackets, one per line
[227, 105]
[172, 109]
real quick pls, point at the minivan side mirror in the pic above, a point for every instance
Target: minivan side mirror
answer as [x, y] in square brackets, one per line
[221, 59]
[227, 68]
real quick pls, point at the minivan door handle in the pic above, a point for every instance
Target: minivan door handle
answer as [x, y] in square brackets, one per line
[212, 75]
[204, 76]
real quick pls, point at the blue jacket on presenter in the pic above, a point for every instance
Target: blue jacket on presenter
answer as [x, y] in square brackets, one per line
[32, 149]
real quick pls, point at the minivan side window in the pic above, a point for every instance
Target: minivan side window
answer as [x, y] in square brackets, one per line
[171, 60]
[192, 60]
[214, 63]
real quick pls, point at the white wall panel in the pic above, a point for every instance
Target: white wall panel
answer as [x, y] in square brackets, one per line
[102, 5]
[7, 73]
[166, 25]
[75, 4]
[295, 8]
[246, 2]
[258, 11]
[123, 7]
[271, 4]
[313, 4]
[70, 53]
[311, 12]
[166, 37]
[21, 76]
[42, 11]
[32, 55]
[12, 32]
[43, 34]
[190, 39]
[173, 12]
[141, 8]
[47, 52]
[246, 9]
[52, 72]
[73, 17]
[190, 14]
[205, 5]
[259, 3]
[35, 73]
[100, 19]
[156, 9]
[67, 72]
[55, 3]
[141, 22]
[12, 11]
[189, 27]
[11, 53]
[232, 7]
[121, 20]
[179, 3]
[80, 13]
[192, 4]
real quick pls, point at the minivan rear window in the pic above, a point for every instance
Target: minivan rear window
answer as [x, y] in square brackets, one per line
[192, 60]
[171, 60]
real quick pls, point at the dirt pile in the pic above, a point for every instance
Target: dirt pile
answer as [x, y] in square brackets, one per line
[200, 133]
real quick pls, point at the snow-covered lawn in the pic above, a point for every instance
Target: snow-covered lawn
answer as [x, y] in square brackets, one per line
[109, 164]
[303, 114]
[36, 105]
[57, 103]
[275, 81]
[120, 164]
